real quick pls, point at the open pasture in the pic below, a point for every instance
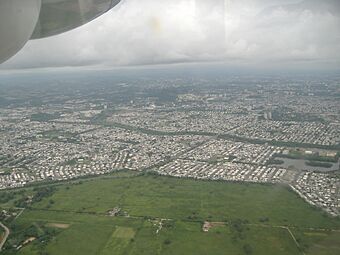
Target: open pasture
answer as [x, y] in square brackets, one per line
[163, 215]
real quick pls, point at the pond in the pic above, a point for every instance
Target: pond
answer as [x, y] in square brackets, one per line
[300, 164]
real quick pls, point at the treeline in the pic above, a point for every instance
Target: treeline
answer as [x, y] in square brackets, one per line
[6, 196]
[38, 234]
[274, 161]
[239, 228]
[319, 164]
[44, 116]
[39, 194]
[43, 192]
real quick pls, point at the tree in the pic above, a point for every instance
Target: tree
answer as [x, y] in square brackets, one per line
[167, 241]
[247, 249]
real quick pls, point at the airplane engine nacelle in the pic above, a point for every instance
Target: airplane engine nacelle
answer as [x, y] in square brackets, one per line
[17, 22]
[22, 20]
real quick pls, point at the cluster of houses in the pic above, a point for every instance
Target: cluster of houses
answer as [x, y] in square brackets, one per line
[180, 138]
[180, 121]
[292, 131]
[226, 171]
[240, 113]
[224, 150]
[319, 189]
[62, 151]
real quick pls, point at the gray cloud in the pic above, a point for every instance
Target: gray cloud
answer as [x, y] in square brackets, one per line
[233, 31]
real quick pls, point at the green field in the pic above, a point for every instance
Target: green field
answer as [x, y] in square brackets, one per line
[250, 219]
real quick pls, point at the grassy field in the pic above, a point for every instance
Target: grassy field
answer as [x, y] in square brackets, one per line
[253, 219]
[319, 242]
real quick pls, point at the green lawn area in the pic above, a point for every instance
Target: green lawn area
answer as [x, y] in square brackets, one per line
[103, 236]
[185, 204]
[165, 197]
[119, 240]
[319, 242]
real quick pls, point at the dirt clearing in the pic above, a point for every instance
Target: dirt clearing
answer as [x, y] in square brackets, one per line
[58, 225]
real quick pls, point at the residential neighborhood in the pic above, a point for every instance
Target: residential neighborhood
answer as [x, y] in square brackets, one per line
[276, 133]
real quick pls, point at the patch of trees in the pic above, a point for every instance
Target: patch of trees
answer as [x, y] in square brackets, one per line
[6, 196]
[11, 195]
[21, 202]
[168, 224]
[319, 164]
[238, 229]
[264, 219]
[5, 171]
[71, 162]
[41, 233]
[44, 116]
[43, 192]
[247, 249]
[274, 161]
[167, 241]
[194, 216]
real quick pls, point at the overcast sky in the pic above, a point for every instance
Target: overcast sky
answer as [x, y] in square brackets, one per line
[264, 33]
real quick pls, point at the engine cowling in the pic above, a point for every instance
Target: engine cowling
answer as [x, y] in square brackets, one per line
[22, 20]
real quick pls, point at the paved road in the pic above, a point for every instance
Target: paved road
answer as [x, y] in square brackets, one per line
[3, 241]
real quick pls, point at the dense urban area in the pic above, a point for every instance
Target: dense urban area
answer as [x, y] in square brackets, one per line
[272, 145]
[249, 129]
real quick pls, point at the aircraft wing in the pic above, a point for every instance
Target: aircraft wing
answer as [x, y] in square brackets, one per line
[22, 20]
[58, 16]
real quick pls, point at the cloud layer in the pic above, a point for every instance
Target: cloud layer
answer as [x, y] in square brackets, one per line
[170, 31]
